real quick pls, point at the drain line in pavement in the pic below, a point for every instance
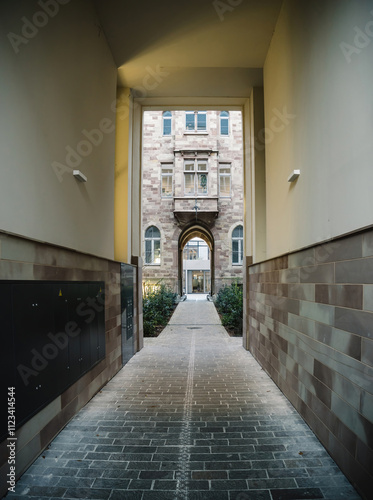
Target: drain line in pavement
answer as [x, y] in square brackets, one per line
[185, 440]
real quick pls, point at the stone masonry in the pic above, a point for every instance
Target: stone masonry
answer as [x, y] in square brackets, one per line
[172, 151]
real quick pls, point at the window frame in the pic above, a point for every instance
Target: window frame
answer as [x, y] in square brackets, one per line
[166, 116]
[152, 240]
[224, 118]
[197, 173]
[196, 127]
[168, 166]
[225, 165]
[196, 248]
[239, 251]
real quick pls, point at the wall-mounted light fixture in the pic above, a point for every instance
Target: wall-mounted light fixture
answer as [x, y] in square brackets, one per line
[294, 175]
[78, 175]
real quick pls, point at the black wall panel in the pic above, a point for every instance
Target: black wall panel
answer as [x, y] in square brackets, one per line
[85, 322]
[127, 290]
[51, 334]
[97, 325]
[101, 325]
[74, 301]
[32, 319]
[60, 337]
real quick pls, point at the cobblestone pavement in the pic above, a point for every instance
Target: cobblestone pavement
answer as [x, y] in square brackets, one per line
[190, 417]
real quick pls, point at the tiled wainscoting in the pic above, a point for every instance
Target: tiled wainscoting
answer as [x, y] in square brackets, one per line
[310, 326]
[22, 259]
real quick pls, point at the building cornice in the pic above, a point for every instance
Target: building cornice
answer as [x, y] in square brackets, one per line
[195, 152]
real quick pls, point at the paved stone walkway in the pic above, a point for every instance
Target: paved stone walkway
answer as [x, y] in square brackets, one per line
[190, 417]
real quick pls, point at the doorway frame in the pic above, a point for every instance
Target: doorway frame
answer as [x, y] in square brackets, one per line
[138, 106]
[252, 108]
[189, 232]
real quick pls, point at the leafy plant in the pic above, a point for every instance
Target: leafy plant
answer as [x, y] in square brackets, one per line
[158, 306]
[229, 303]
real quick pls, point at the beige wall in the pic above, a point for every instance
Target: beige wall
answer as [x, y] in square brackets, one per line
[318, 112]
[122, 176]
[58, 78]
[256, 176]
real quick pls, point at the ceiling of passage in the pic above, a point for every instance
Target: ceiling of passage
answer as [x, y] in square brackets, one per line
[176, 48]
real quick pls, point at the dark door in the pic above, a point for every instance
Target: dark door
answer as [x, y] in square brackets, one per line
[35, 354]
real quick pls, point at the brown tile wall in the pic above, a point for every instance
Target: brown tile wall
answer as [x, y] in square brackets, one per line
[22, 259]
[310, 326]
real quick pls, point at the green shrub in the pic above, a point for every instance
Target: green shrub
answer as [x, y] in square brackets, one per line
[158, 306]
[229, 303]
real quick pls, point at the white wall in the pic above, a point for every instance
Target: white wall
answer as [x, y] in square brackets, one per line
[318, 79]
[58, 78]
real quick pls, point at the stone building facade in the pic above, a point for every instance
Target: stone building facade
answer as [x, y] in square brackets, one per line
[192, 190]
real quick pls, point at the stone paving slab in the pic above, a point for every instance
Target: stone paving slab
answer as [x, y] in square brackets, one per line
[191, 417]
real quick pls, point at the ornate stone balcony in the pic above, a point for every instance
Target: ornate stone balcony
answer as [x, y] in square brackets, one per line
[189, 208]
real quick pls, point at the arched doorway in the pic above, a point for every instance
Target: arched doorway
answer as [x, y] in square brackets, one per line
[196, 230]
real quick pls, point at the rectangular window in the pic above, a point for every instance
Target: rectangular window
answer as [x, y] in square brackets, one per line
[148, 252]
[237, 252]
[202, 177]
[196, 121]
[224, 127]
[196, 250]
[190, 254]
[157, 251]
[189, 183]
[225, 180]
[152, 246]
[167, 127]
[189, 120]
[202, 166]
[167, 172]
[202, 184]
[152, 251]
[201, 120]
[167, 123]
[195, 177]
[224, 123]
[189, 165]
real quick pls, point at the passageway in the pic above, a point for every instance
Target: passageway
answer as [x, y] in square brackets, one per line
[192, 416]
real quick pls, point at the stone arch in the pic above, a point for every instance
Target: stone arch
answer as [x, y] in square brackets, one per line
[192, 230]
